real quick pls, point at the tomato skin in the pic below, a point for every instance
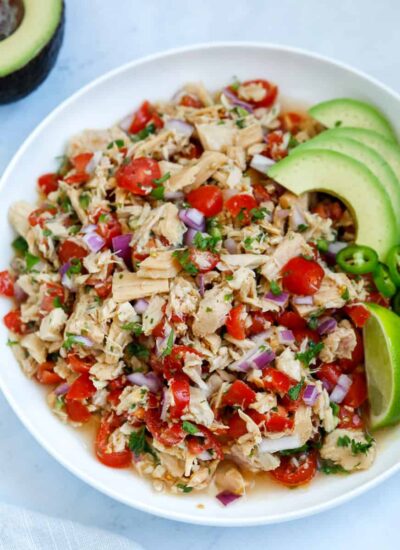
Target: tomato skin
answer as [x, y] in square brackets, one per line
[78, 364]
[108, 228]
[190, 101]
[301, 333]
[259, 321]
[270, 96]
[168, 435]
[69, 250]
[277, 381]
[145, 114]
[329, 374]
[138, 176]
[180, 389]
[241, 204]
[292, 320]
[240, 394]
[46, 375]
[120, 459]
[77, 411]
[48, 183]
[357, 356]
[52, 292]
[301, 276]
[236, 322]
[173, 363]
[278, 421]
[79, 162]
[358, 314]
[13, 322]
[103, 289]
[292, 475]
[81, 388]
[203, 260]
[349, 420]
[39, 216]
[207, 199]
[260, 193]
[6, 284]
[357, 393]
[237, 426]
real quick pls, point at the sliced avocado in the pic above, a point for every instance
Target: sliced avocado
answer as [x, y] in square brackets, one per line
[352, 183]
[29, 49]
[367, 156]
[345, 112]
[386, 148]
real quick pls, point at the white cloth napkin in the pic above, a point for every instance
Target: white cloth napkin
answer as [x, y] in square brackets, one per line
[22, 529]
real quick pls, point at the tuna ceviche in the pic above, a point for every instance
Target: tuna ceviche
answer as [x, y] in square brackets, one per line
[206, 319]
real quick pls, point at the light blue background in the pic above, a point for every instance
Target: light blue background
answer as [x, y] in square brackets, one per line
[100, 35]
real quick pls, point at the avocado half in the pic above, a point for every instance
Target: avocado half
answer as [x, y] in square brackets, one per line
[28, 54]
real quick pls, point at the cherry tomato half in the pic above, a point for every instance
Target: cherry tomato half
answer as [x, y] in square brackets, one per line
[301, 276]
[13, 322]
[180, 389]
[239, 393]
[6, 284]
[145, 114]
[138, 176]
[48, 183]
[120, 459]
[69, 250]
[240, 207]
[296, 472]
[207, 199]
[45, 374]
[236, 322]
[81, 388]
[270, 92]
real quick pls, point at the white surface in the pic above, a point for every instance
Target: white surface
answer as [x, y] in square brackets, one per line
[355, 32]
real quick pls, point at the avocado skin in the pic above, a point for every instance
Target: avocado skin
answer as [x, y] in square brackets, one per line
[20, 83]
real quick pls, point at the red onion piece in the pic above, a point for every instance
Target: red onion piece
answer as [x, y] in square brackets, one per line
[233, 98]
[62, 388]
[193, 218]
[286, 336]
[179, 126]
[326, 325]
[94, 241]
[263, 359]
[190, 235]
[120, 246]
[230, 246]
[336, 247]
[150, 380]
[279, 300]
[339, 392]
[126, 122]
[310, 395]
[200, 283]
[227, 497]
[19, 294]
[174, 195]
[66, 280]
[303, 300]
[94, 161]
[261, 163]
[140, 306]
[297, 217]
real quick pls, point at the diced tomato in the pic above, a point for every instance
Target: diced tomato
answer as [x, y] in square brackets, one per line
[357, 356]
[240, 207]
[207, 199]
[120, 459]
[113, 397]
[80, 364]
[45, 374]
[70, 250]
[48, 183]
[277, 381]
[81, 388]
[236, 322]
[357, 393]
[108, 226]
[329, 374]
[103, 289]
[260, 321]
[275, 147]
[271, 92]
[239, 393]
[291, 122]
[260, 193]
[292, 320]
[173, 363]
[193, 151]
[138, 176]
[293, 473]
[6, 284]
[159, 330]
[279, 421]
[358, 314]
[143, 116]
[41, 215]
[203, 260]
[13, 322]
[190, 101]
[301, 276]
[79, 162]
[168, 435]
[78, 178]
[52, 294]
[211, 443]
[332, 210]
[237, 426]
[77, 411]
[180, 389]
[301, 333]
[349, 419]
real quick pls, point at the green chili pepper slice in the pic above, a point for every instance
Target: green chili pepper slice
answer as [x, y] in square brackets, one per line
[393, 263]
[357, 259]
[396, 303]
[383, 281]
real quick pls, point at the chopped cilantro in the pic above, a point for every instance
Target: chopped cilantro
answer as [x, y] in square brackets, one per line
[328, 467]
[163, 179]
[57, 302]
[84, 200]
[209, 309]
[313, 322]
[229, 277]
[63, 164]
[241, 112]
[136, 328]
[240, 216]
[311, 352]
[259, 213]
[189, 428]
[170, 343]
[357, 447]
[47, 232]
[335, 408]
[103, 218]
[117, 142]
[322, 245]
[134, 349]
[20, 245]
[294, 392]
[31, 261]
[64, 203]
[74, 229]
[240, 123]
[228, 297]
[70, 341]
[143, 134]
[183, 257]
[345, 294]
[158, 192]
[292, 143]
[138, 443]
[75, 268]
[235, 84]
[275, 288]
[299, 450]
[12, 342]
[302, 227]
[184, 488]
[205, 242]
[59, 404]
[248, 243]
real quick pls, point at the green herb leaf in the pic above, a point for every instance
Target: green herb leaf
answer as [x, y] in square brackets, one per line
[134, 349]
[184, 488]
[138, 443]
[346, 294]
[189, 428]
[228, 297]
[311, 352]
[335, 408]
[205, 242]
[240, 123]
[117, 142]
[12, 342]
[57, 302]
[84, 200]
[294, 392]
[143, 134]
[75, 268]
[170, 343]
[20, 245]
[259, 213]
[357, 447]
[328, 467]
[248, 243]
[136, 328]
[299, 450]
[31, 261]
[275, 288]
[302, 227]
[163, 179]
[158, 193]
[183, 257]
[322, 245]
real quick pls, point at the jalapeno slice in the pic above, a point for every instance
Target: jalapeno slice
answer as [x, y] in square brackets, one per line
[357, 259]
[393, 263]
[396, 303]
[383, 281]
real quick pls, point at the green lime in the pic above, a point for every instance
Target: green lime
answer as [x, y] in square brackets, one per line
[382, 363]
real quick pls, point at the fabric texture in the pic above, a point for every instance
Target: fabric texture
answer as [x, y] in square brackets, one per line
[22, 529]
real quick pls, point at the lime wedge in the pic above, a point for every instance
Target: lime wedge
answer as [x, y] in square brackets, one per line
[382, 364]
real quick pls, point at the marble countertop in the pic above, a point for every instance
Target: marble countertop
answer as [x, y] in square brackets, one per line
[99, 37]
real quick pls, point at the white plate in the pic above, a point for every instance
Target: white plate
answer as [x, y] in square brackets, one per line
[304, 77]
